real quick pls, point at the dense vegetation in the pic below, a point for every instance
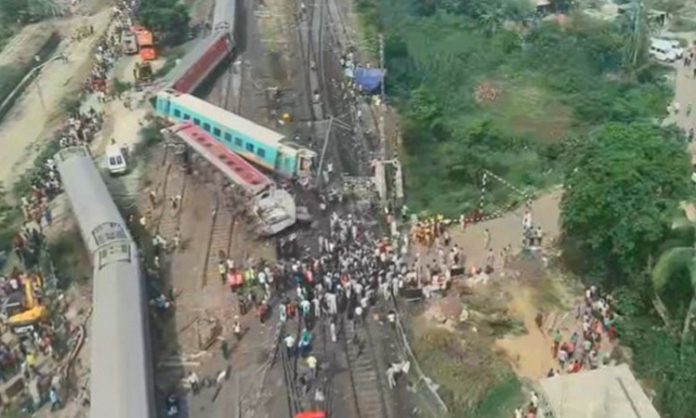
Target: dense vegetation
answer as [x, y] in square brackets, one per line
[168, 19]
[619, 194]
[487, 85]
[623, 231]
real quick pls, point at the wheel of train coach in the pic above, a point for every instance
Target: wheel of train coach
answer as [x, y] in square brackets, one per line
[260, 145]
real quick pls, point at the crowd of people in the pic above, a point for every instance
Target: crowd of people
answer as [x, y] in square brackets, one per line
[25, 353]
[337, 283]
[582, 350]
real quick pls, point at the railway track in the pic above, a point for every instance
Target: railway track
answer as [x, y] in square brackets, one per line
[289, 374]
[222, 230]
[342, 36]
[220, 240]
[174, 187]
[310, 28]
[366, 383]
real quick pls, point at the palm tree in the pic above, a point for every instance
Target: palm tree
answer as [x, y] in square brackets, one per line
[673, 260]
[490, 19]
[635, 35]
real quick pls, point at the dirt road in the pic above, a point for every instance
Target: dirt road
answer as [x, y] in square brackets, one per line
[507, 230]
[34, 116]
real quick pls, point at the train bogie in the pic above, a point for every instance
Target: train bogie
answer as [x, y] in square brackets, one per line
[200, 62]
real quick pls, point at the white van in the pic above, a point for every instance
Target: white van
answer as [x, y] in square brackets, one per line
[662, 52]
[670, 44]
[115, 160]
[129, 42]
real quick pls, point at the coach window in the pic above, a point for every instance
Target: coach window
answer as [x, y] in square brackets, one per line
[196, 121]
[187, 116]
[206, 126]
[216, 132]
[177, 113]
[238, 141]
[228, 137]
[250, 147]
[261, 152]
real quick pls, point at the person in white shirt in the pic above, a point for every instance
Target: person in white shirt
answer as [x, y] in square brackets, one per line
[290, 344]
[358, 314]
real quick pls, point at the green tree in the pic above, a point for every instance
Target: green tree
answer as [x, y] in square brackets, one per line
[670, 265]
[619, 192]
[167, 18]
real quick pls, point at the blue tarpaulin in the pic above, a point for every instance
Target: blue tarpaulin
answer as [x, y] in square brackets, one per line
[368, 79]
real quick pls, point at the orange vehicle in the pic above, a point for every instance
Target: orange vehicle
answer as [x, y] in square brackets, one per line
[311, 414]
[146, 43]
[148, 54]
[143, 36]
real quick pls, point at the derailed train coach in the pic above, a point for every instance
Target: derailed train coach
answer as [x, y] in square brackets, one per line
[121, 370]
[260, 145]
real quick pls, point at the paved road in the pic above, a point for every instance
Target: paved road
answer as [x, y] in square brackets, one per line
[685, 94]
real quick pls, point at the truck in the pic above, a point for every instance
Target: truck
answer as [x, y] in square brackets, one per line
[23, 308]
[145, 43]
[129, 42]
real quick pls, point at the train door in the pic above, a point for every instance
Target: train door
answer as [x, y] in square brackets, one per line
[164, 105]
[305, 162]
[281, 162]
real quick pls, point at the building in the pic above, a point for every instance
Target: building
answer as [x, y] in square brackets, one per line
[608, 392]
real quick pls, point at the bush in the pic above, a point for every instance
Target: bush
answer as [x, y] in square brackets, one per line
[10, 76]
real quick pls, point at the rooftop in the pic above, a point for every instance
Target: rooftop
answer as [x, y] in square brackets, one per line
[609, 392]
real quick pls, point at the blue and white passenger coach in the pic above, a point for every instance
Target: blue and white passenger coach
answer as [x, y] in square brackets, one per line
[260, 145]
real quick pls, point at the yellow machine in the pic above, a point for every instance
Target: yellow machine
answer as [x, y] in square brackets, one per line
[32, 311]
[142, 72]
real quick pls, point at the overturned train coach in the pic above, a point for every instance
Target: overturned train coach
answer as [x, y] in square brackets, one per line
[121, 369]
[260, 145]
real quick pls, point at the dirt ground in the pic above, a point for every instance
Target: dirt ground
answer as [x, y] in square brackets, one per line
[507, 230]
[519, 290]
[23, 46]
[33, 116]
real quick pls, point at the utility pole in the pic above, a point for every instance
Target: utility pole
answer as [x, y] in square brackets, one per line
[381, 65]
[38, 88]
[320, 175]
[37, 59]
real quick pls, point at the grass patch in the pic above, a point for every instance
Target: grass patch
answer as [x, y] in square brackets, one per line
[10, 76]
[474, 381]
[526, 108]
[170, 58]
[682, 24]
[501, 398]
